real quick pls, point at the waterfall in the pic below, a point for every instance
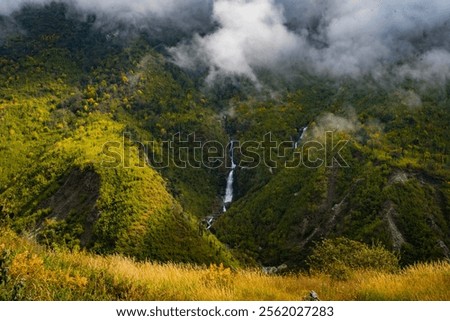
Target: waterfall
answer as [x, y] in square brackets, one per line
[302, 136]
[230, 180]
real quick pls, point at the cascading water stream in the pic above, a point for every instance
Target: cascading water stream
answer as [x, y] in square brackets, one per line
[302, 136]
[229, 192]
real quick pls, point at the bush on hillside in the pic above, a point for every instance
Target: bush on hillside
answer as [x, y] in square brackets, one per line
[339, 257]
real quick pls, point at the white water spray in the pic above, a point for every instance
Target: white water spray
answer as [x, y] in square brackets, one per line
[229, 193]
[302, 136]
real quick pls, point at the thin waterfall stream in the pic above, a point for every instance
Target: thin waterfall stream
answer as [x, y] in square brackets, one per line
[229, 192]
[300, 139]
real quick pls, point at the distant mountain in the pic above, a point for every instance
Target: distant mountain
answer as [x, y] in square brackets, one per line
[86, 115]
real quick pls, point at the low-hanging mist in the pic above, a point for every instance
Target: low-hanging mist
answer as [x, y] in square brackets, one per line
[346, 38]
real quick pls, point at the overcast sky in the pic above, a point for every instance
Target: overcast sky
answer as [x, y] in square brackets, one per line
[337, 38]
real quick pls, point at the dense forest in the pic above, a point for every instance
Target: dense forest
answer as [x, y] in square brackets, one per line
[73, 96]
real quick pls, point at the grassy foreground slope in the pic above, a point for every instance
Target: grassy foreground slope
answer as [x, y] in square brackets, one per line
[29, 272]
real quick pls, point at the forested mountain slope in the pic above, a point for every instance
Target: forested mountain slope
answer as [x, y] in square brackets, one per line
[85, 113]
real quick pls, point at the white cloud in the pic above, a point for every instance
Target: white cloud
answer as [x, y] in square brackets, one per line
[252, 34]
[345, 38]
[432, 67]
[338, 38]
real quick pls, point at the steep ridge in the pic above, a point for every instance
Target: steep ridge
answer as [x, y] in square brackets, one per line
[60, 178]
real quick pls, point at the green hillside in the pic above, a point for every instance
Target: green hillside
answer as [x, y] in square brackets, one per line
[393, 186]
[59, 109]
[86, 116]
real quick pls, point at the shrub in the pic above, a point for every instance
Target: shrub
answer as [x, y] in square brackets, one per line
[339, 257]
[218, 276]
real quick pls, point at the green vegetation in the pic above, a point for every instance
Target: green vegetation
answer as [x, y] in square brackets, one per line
[395, 190]
[28, 272]
[341, 257]
[57, 112]
[67, 89]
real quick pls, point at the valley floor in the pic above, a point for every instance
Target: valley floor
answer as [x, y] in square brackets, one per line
[30, 272]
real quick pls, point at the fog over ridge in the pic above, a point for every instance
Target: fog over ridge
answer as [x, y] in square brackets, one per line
[347, 38]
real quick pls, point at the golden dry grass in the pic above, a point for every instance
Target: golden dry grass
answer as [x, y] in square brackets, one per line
[60, 275]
